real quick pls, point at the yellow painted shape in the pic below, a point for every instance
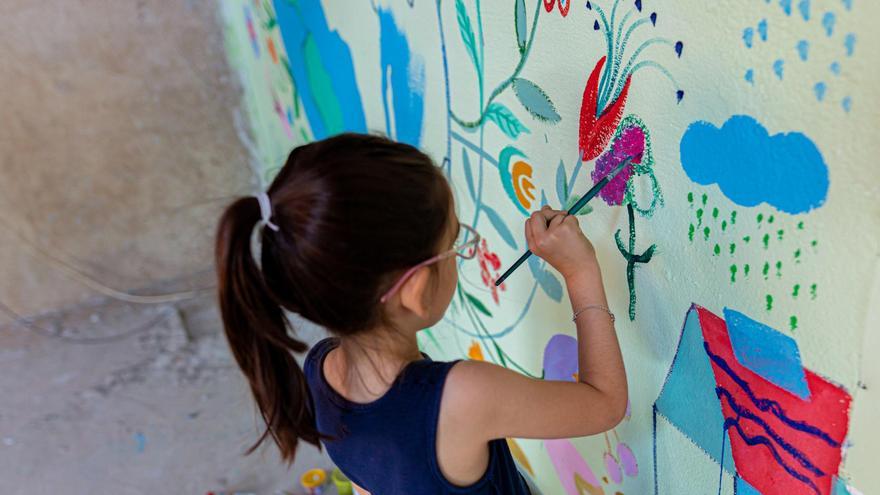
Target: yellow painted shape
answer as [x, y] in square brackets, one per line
[522, 183]
[475, 352]
[520, 456]
[313, 478]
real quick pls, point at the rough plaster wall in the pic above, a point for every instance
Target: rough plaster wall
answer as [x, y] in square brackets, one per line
[117, 150]
[163, 410]
[735, 58]
[117, 145]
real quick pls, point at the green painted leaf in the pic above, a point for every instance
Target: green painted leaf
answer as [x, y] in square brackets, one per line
[467, 33]
[500, 353]
[477, 304]
[468, 173]
[535, 100]
[500, 226]
[585, 210]
[506, 120]
[321, 83]
[520, 20]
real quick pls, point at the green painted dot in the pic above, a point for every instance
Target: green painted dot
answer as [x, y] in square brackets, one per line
[705, 199]
[796, 290]
[714, 212]
[691, 197]
[732, 248]
[716, 250]
[780, 233]
[699, 216]
[733, 217]
[747, 239]
[723, 225]
[814, 291]
[797, 255]
[814, 243]
[770, 219]
[706, 232]
[760, 217]
[733, 270]
[769, 300]
[691, 231]
[779, 269]
[746, 269]
[766, 240]
[766, 270]
[793, 323]
[800, 225]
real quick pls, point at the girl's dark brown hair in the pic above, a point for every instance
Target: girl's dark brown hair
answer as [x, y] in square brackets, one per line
[353, 212]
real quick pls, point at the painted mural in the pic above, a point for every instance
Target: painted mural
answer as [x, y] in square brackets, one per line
[747, 187]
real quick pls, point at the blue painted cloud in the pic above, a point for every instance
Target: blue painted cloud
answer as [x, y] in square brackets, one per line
[751, 167]
[405, 74]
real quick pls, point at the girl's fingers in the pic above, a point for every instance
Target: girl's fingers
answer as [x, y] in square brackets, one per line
[538, 223]
[558, 219]
[528, 230]
[547, 213]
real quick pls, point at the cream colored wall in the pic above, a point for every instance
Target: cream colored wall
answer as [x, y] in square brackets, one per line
[836, 236]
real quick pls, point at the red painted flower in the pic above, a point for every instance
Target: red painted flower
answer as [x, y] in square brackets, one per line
[564, 5]
[489, 263]
[597, 128]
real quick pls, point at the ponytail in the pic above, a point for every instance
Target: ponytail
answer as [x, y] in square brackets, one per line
[257, 330]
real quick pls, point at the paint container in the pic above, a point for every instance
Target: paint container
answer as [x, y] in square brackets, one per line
[343, 484]
[313, 481]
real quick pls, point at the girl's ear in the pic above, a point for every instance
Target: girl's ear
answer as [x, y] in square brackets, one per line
[413, 292]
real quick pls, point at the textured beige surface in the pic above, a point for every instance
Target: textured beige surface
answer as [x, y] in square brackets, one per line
[116, 142]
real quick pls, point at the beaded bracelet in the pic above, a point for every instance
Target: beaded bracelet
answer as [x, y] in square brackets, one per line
[593, 306]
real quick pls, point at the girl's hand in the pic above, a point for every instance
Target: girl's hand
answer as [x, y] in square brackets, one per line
[557, 238]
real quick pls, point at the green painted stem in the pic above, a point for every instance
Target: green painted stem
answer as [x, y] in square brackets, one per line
[632, 258]
[472, 124]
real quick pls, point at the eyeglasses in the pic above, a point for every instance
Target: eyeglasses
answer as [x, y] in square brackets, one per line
[465, 249]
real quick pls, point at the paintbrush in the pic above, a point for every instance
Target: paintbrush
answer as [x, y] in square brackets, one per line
[576, 207]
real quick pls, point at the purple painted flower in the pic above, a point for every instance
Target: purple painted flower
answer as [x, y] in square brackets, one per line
[630, 143]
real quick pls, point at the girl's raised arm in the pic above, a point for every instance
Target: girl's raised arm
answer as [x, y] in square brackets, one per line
[493, 402]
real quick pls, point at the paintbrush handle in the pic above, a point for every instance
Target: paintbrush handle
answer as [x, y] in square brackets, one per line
[576, 207]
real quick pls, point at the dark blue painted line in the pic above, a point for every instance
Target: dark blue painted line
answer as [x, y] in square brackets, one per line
[769, 404]
[791, 449]
[762, 440]
[654, 434]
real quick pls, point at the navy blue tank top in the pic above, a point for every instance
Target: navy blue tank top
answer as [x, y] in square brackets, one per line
[388, 446]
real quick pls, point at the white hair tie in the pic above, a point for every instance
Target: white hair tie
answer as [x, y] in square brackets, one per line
[266, 210]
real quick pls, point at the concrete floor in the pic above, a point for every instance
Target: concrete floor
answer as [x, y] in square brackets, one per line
[163, 409]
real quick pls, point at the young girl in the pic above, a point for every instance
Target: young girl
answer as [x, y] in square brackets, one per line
[359, 235]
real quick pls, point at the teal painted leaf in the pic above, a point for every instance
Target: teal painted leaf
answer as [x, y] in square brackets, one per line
[535, 100]
[548, 282]
[500, 226]
[478, 304]
[561, 183]
[520, 19]
[468, 173]
[467, 33]
[506, 120]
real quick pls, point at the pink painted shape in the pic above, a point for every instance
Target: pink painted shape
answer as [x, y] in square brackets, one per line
[627, 460]
[630, 143]
[567, 461]
[613, 468]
